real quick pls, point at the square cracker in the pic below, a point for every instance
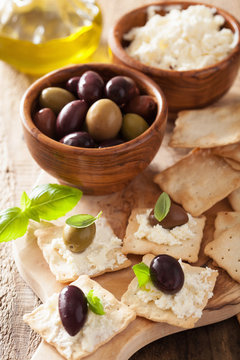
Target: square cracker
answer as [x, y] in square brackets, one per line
[198, 181]
[231, 151]
[97, 330]
[153, 312]
[225, 251]
[225, 220]
[210, 127]
[101, 256]
[188, 249]
[234, 199]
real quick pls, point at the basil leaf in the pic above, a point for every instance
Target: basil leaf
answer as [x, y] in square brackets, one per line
[25, 201]
[95, 304]
[82, 220]
[13, 224]
[51, 201]
[162, 206]
[142, 273]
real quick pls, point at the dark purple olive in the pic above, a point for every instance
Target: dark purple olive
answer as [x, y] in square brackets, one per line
[143, 105]
[73, 309]
[90, 87]
[71, 117]
[112, 142]
[45, 121]
[121, 89]
[72, 84]
[79, 139]
[176, 216]
[166, 274]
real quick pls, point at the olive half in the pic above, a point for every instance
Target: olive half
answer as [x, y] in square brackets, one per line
[78, 239]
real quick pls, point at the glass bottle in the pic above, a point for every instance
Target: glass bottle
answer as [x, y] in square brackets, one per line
[37, 36]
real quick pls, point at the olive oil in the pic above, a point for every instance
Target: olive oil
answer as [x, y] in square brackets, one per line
[45, 38]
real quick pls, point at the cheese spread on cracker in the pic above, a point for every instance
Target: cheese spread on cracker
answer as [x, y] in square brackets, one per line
[97, 330]
[102, 255]
[186, 302]
[181, 309]
[160, 235]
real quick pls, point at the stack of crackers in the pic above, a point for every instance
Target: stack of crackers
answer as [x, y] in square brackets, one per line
[208, 174]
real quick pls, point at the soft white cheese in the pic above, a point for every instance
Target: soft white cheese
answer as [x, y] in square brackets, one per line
[185, 303]
[159, 235]
[182, 39]
[103, 253]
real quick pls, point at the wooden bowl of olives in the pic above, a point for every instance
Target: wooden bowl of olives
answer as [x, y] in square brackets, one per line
[187, 62]
[94, 126]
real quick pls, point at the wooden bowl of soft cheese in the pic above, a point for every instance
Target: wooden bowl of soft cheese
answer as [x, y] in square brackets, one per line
[191, 50]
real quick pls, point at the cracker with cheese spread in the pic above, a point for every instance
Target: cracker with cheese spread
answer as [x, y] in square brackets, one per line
[234, 199]
[97, 330]
[216, 126]
[198, 181]
[181, 309]
[104, 254]
[180, 242]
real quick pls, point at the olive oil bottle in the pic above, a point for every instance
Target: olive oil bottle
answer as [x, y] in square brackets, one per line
[37, 36]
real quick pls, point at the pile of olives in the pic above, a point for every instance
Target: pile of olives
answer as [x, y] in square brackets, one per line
[91, 113]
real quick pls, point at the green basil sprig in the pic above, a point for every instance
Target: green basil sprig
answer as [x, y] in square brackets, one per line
[82, 220]
[95, 304]
[162, 206]
[46, 202]
[142, 272]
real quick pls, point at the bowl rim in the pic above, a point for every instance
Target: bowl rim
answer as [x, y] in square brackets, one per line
[117, 48]
[48, 79]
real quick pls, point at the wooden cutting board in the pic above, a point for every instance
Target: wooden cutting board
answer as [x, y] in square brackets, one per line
[142, 192]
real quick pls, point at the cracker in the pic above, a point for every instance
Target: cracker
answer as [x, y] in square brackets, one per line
[225, 251]
[210, 127]
[187, 249]
[234, 164]
[234, 199]
[102, 255]
[198, 181]
[231, 151]
[225, 220]
[96, 331]
[201, 287]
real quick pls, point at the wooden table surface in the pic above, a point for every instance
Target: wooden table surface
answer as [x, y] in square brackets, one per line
[19, 172]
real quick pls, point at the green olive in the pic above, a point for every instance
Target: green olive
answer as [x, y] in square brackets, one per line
[104, 120]
[55, 98]
[78, 239]
[133, 126]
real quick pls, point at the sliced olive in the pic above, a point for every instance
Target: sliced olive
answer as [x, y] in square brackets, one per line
[78, 239]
